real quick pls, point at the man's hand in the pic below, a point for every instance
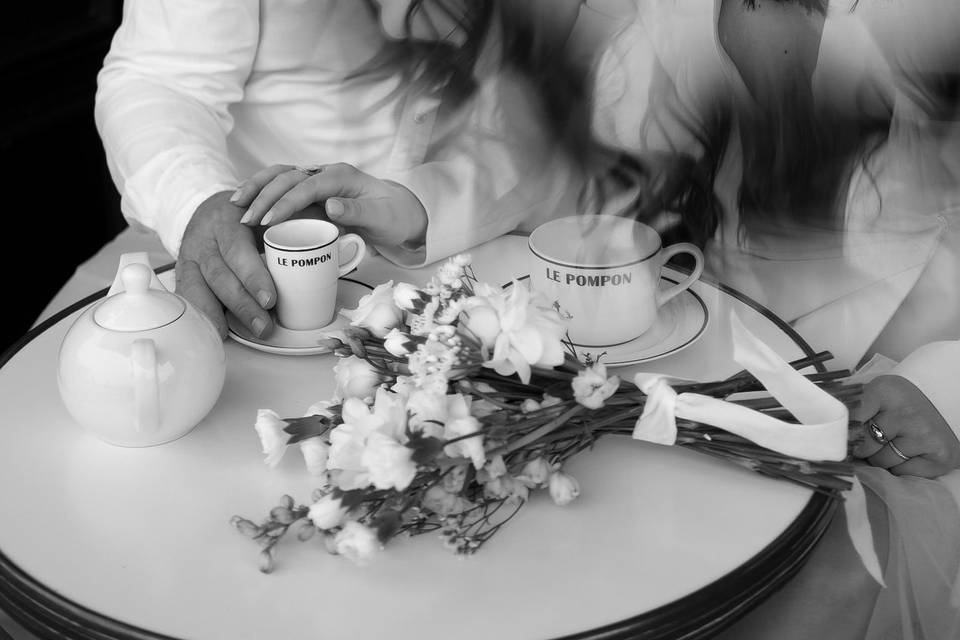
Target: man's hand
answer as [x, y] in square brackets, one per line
[382, 212]
[219, 266]
[909, 420]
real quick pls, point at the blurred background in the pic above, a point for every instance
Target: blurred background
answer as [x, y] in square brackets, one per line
[59, 203]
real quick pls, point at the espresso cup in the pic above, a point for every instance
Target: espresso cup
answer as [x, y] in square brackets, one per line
[304, 257]
[602, 273]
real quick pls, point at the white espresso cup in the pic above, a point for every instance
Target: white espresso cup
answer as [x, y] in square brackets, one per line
[304, 258]
[602, 273]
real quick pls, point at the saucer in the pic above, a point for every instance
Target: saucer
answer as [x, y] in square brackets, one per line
[288, 342]
[681, 321]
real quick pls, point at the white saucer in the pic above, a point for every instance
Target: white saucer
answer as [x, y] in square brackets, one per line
[288, 342]
[680, 323]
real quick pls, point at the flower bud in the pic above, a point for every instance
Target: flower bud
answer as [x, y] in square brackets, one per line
[267, 560]
[536, 472]
[564, 488]
[397, 343]
[282, 515]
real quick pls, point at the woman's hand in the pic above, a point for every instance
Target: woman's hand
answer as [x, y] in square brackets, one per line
[910, 421]
[381, 211]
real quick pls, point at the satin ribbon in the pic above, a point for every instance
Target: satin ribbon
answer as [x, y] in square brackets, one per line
[821, 434]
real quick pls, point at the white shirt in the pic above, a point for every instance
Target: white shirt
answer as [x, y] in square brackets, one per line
[195, 96]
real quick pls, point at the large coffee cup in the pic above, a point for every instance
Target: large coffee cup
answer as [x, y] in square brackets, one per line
[603, 274]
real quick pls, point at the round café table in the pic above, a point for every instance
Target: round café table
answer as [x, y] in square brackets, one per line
[103, 542]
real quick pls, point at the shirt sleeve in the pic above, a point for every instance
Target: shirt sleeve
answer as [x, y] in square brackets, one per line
[491, 168]
[162, 106]
[935, 368]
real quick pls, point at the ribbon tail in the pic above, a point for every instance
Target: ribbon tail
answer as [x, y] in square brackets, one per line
[859, 530]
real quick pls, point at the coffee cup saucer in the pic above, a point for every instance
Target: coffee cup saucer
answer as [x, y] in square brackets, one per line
[288, 342]
[682, 320]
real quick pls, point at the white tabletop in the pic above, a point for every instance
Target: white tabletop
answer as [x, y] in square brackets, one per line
[142, 535]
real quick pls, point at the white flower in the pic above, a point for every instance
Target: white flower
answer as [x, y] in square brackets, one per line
[321, 408]
[390, 408]
[428, 411]
[471, 447]
[529, 405]
[592, 386]
[315, 455]
[535, 472]
[455, 478]
[443, 502]
[522, 330]
[347, 442]
[397, 343]
[506, 486]
[406, 296]
[273, 439]
[356, 378]
[549, 401]
[357, 542]
[564, 488]
[494, 468]
[327, 512]
[376, 311]
[389, 463]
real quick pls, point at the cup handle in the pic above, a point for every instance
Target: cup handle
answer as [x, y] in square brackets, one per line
[683, 285]
[360, 249]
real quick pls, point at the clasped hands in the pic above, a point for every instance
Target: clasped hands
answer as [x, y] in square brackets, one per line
[219, 265]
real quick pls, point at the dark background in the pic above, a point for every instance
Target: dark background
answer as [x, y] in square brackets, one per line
[59, 203]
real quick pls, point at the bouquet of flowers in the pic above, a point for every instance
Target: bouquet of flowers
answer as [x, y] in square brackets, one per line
[456, 400]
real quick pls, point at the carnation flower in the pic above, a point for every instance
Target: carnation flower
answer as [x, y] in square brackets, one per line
[389, 464]
[522, 331]
[564, 488]
[315, 455]
[376, 311]
[327, 512]
[273, 438]
[592, 386]
[356, 542]
[356, 378]
[461, 423]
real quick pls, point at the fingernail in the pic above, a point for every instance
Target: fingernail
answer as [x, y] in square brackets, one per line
[259, 324]
[246, 217]
[267, 217]
[235, 196]
[263, 298]
[334, 208]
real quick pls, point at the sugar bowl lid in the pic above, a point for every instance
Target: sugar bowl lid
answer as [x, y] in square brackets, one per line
[138, 307]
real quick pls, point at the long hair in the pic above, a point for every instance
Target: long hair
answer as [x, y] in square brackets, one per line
[431, 66]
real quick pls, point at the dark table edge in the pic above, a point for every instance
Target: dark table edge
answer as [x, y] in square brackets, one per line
[700, 614]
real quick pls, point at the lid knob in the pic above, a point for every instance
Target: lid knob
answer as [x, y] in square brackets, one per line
[138, 307]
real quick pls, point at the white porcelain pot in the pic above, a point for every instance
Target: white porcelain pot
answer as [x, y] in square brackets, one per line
[143, 366]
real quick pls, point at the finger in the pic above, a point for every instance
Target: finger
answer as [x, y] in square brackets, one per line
[250, 187]
[270, 194]
[228, 288]
[243, 259]
[191, 285]
[888, 458]
[869, 445]
[920, 466]
[335, 180]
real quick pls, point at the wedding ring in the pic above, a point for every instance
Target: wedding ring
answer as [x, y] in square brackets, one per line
[876, 432]
[311, 170]
[897, 451]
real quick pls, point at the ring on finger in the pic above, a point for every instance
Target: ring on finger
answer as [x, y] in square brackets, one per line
[310, 170]
[876, 432]
[904, 457]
